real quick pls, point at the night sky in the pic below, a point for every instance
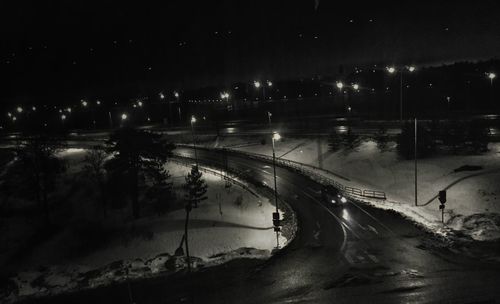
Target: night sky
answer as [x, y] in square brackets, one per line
[60, 51]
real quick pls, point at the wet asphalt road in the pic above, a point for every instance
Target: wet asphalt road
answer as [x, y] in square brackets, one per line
[354, 254]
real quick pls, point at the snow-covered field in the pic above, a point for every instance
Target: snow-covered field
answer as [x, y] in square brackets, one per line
[473, 197]
[231, 223]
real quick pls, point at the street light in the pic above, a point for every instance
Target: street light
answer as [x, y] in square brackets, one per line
[176, 94]
[275, 137]
[84, 103]
[139, 103]
[393, 70]
[355, 86]
[256, 84]
[124, 116]
[339, 85]
[161, 95]
[19, 109]
[33, 108]
[492, 76]
[224, 95]
[63, 117]
[193, 121]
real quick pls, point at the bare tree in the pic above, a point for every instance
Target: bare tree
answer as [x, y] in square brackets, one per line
[94, 162]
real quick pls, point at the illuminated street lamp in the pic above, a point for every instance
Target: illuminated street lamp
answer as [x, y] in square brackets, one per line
[491, 76]
[355, 86]
[68, 110]
[84, 103]
[224, 95]
[33, 108]
[161, 95]
[98, 102]
[275, 137]
[339, 85]
[393, 70]
[124, 116]
[193, 121]
[63, 117]
[139, 103]
[19, 109]
[176, 94]
[9, 114]
[257, 84]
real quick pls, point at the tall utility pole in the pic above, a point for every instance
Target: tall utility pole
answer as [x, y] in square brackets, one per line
[193, 120]
[275, 136]
[416, 199]
[401, 95]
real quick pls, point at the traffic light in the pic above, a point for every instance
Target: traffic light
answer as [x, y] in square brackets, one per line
[442, 196]
[276, 219]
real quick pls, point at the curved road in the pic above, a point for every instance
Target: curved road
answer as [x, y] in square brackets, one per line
[354, 254]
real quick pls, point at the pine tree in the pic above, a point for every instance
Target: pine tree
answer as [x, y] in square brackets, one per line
[196, 190]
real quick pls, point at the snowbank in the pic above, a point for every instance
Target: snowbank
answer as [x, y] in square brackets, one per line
[473, 205]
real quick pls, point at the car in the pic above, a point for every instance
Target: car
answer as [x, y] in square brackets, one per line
[331, 195]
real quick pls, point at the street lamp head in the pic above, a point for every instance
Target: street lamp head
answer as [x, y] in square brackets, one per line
[391, 69]
[63, 117]
[19, 109]
[412, 68]
[492, 75]
[340, 85]
[256, 84]
[9, 114]
[68, 109]
[355, 86]
[139, 103]
[124, 116]
[98, 102]
[276, 136]
[193, 119]
[269, 83]
[161, 95]
[176, 94]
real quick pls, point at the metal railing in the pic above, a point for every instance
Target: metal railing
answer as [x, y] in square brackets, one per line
[309, 170]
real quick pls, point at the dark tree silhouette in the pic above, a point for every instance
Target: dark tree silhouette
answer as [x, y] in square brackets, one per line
[94, 169]
[135, 152]
[382, 139]
[160, 191]
[36, 169]
[195, 192]
[406, 142]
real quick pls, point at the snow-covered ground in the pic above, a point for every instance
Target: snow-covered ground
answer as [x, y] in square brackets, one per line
[473, 197]
[231, 223]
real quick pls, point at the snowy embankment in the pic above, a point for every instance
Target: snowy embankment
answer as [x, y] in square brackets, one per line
[471, 181]
[231, 223]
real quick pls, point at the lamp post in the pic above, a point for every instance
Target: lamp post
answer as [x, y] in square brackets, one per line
[257, 84]
[193, 120]
[276, 136]
[415, 156]
[491, 76]
[393, 70]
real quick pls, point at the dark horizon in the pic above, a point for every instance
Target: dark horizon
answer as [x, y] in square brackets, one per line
[65, 51]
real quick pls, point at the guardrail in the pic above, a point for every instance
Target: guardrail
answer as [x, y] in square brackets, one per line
[188, 161]
[303, 168]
